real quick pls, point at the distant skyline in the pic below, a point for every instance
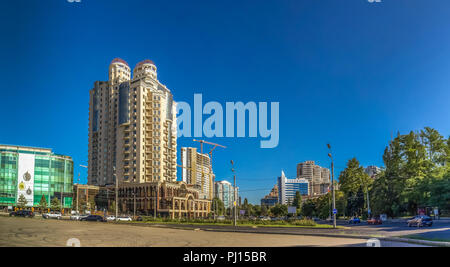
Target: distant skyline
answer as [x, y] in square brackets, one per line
[350, 73]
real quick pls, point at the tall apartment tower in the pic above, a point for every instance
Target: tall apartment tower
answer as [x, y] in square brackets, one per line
[197, 171]
[132, 127]
[318, 177]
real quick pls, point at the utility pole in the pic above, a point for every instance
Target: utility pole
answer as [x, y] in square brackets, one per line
[134, 206]
[86, 167]
[62, 189]
[78, 186]
[117, 193]
[332, 186]
[234, 197]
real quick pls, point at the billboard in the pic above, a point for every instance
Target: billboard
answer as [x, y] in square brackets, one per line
[25, 181]
[292, 210]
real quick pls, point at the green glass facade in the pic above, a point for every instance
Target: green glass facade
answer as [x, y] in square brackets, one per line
[53, 176]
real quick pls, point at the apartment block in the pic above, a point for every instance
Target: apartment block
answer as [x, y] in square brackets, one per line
[317, 176]
[224, 191]
[132, 127]
[197, 171]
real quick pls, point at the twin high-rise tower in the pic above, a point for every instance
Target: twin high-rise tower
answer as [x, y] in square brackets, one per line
[132, 127]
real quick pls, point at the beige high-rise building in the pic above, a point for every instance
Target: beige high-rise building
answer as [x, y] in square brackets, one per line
[318, 177]
[197, 171]
[132, 127]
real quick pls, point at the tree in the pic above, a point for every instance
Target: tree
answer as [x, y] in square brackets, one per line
[353, 177]
[264, 211]
[309, 208]
[43, 205]
[353, 182]
[416, 164]
[218, 206]
[22, 202]
[297, 202]
[55, 204]
[255, 210]
[112, 207]
[279, 210]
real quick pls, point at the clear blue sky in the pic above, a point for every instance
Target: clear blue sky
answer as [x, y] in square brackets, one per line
[345, 72]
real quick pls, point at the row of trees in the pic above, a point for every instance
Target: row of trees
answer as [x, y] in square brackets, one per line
[416, 174]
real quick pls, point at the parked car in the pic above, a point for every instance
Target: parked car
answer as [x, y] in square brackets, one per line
[124, 219]
[374, 221]
[221, 218]
[93, 218]
[139, 219]
[22, 213]
[110, 218]
[420, 220]
[52, 215]
[77, 217]
[265, 218]
[354, 220]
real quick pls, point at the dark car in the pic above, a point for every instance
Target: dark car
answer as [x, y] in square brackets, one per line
[22, 213]
[139, 219]
[93, 218]
[420, 220]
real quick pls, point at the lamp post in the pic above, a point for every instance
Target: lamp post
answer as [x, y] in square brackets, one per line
[234, 195]
[117, 193]
[332, 185]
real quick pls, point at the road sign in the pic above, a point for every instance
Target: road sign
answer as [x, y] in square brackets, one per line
[234, 203]
[334, 211]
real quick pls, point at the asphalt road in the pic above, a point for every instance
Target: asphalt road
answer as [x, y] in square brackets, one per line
[40, 232]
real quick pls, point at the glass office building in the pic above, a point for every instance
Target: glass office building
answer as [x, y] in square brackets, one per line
[287, 188]
[34, 173]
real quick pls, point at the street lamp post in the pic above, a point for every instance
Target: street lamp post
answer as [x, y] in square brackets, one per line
[234, 195]
[117, 194]
[332, 186]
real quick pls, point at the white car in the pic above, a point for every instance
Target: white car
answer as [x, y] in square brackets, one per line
[125, 219]
[52, 215]
[77, 217]
[110, 218]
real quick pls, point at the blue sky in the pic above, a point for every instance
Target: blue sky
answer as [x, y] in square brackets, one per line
[346, 72]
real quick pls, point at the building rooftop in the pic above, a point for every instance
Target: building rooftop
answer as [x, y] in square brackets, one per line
[25, 149]
[147, 61]
[119, 60]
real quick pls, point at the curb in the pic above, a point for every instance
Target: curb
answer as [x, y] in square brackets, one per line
[393, 239]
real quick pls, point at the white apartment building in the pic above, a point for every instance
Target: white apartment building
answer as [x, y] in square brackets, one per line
[132, 127]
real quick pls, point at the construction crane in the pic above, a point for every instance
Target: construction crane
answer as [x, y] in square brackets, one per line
[210, 165]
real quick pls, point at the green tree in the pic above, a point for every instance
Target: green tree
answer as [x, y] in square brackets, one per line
[55, 204]
[309, 208]
[415, 163]
[22, 202]
[279, 210]
[43, 205]
[353, 177]
[218, 206]
[298, 202]
[353, 182]
[112, 207]
[264, 210]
